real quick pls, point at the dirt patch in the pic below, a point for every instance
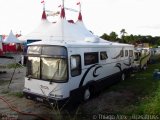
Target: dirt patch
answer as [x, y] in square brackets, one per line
[13, 95]
[110, 102]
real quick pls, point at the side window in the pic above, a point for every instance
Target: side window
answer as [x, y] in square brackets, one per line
[103, 55]
[122, 53]
[126, 53]
[130, 53]
[90, 58]
[75, 61]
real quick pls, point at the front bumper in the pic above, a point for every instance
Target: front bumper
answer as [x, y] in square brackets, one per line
[44, 99]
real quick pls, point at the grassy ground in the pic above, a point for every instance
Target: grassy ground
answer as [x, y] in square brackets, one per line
[139, 94]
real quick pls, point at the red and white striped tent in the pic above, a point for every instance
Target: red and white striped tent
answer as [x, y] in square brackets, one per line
[11, 43]
[62, 29]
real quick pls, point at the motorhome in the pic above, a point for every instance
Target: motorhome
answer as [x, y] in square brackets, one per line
[73, 63]
[62, 70]
[141, 58]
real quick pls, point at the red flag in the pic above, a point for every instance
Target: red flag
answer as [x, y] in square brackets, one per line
[78, 3]
[42, 1]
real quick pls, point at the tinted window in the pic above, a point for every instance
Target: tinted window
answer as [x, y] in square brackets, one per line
[126, 53]
[54, 50]
[122, 53]
[130, 53]
[103, 55]
[90, 58]
[75, 61]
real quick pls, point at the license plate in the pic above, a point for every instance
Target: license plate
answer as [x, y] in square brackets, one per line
[39, 99]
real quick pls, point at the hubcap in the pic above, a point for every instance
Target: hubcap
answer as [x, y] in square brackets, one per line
[123, 76]
[87, 94]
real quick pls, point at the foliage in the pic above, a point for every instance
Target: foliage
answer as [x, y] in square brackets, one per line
[14, 65]
[17, 94]
[132, 39]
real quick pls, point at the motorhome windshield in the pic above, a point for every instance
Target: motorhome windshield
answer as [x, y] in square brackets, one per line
[47, 63]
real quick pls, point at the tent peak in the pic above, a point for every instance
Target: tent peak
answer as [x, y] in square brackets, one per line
[62, 13]
[44, 16]
[62, 10]
[80, 16]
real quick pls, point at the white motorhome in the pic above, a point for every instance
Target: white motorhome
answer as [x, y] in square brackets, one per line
[73, 63]
[62, 70]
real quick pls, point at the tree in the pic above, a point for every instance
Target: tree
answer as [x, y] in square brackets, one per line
[123, 32]
[113, 36]
[105, 36]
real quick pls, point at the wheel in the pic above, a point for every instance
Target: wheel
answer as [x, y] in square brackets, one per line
[123, 77]
[87, 94]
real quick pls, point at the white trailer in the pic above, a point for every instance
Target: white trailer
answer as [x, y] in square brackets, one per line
[60, 71]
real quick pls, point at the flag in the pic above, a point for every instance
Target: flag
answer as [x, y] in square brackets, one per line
[78, 3]
[42, 1]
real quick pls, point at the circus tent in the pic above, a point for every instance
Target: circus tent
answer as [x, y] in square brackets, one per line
[11, 43]
[40, 32]
[61, 30]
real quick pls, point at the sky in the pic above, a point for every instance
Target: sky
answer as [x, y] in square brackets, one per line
[137, 17]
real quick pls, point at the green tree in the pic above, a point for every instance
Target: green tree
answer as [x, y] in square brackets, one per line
[105, 36]
[123, 32]
[113, 36]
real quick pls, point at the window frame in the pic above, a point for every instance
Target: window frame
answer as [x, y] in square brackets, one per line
[80, 65]
[122, 53]
[130, 53]
[91, 62]
[105, 54]
[126, 53]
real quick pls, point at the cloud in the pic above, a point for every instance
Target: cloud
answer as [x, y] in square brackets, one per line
[155, 26]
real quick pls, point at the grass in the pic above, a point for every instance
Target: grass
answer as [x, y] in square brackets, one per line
[3, 82]
[146, 92]
[14, 65]
[139, 94]
[17, 94]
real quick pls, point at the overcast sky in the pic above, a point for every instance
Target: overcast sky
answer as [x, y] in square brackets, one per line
[100, 16]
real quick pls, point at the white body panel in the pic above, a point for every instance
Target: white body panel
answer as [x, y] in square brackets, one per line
[108, 68]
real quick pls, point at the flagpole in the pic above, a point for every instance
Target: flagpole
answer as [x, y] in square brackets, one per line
[43, 2]
[63, 15]
[80, 7]
[62, 3]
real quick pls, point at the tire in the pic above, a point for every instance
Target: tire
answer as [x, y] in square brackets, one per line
[87, 94]
[123, 76]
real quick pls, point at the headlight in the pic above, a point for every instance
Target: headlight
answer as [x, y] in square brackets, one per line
[56, 96]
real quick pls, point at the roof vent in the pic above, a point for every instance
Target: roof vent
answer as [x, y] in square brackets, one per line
[92, 39]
